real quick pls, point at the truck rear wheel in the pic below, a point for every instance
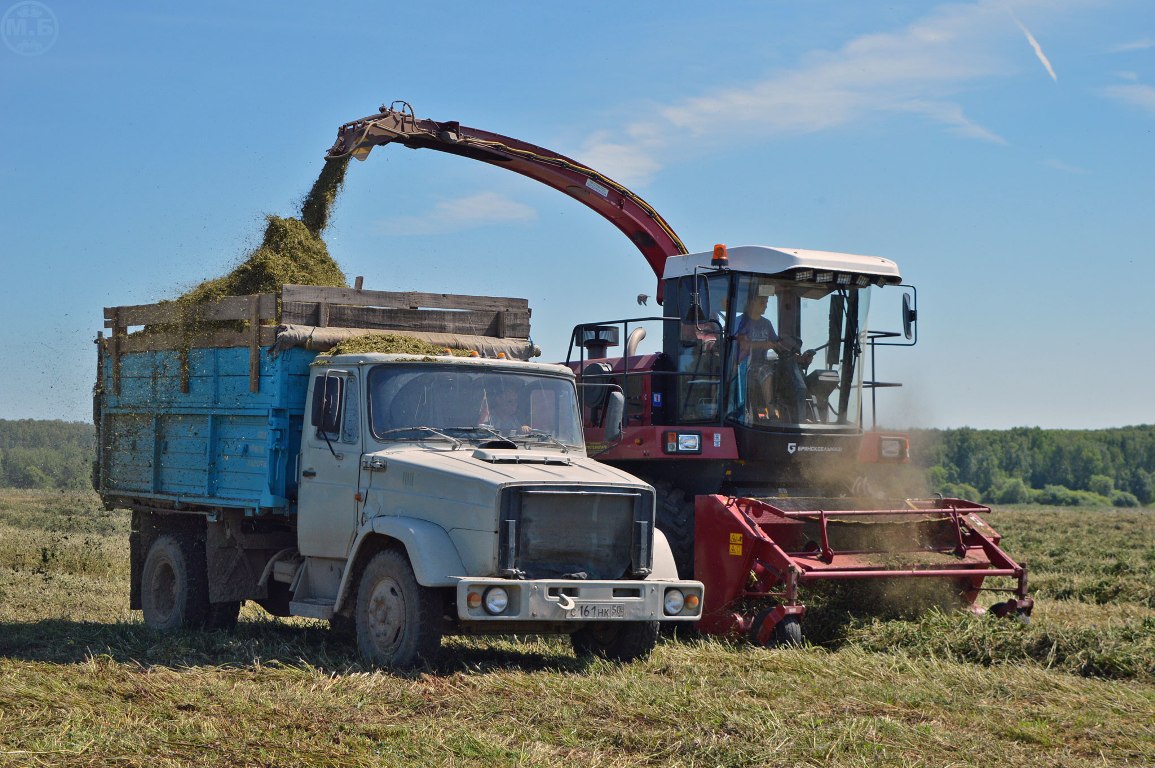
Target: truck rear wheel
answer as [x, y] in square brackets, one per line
[398, 620]
[616, 640]
[173, 585]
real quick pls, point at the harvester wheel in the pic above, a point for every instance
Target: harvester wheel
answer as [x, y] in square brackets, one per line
[787, 632]
[1004, 611]
[173, 584]
[616, 641]
[675, 518]
[398, 620]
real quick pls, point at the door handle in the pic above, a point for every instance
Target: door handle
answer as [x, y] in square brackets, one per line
[308, 473]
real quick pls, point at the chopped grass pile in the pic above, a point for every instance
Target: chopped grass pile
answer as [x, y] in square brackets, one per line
[392, 343]
[292, 251]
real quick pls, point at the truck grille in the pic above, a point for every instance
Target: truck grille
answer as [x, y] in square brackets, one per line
[551, 532]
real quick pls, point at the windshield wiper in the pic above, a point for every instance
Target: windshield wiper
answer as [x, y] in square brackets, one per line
[514, 435]
[483, 429]
[543, 434]
[431, 430]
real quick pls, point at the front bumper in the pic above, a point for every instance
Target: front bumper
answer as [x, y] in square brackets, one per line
[565, 600]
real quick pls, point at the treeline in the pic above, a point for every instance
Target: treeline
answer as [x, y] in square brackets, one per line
[1045, 466]
[45, 454]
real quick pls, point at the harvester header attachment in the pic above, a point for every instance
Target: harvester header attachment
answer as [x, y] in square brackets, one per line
[762, 556]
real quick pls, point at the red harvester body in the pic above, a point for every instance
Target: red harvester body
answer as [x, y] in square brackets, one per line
[757, 457]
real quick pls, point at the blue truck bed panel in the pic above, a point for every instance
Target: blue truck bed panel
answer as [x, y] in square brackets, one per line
[218, 444]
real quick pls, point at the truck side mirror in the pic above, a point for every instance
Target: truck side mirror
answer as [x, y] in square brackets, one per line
[326, 412]
[615, 410]
[909, 315]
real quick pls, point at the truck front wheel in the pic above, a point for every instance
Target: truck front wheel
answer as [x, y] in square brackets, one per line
[173, 589]
[616, 641]
[398, 620]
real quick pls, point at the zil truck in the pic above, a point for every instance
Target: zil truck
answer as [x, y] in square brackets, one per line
[405, 496]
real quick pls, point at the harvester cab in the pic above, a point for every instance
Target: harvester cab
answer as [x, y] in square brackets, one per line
[760, 384]
[749, 420]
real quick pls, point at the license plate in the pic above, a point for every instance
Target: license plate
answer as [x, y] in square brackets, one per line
[596, 611]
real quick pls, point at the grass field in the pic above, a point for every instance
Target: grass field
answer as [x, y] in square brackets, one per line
[84, 683]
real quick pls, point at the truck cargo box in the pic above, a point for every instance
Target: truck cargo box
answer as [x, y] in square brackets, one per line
[203, 407]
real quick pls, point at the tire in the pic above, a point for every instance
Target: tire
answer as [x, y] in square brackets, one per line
[343, 627]
[223, 616]
[675, 518]
[616, 641]
[787, 632]
[398, 620]
[1004, 611]
[173, 584]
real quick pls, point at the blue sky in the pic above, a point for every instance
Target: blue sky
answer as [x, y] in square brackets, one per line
[1003, 153]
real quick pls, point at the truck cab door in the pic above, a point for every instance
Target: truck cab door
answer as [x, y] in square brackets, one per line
[328, 513]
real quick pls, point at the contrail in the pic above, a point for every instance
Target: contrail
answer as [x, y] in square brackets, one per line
[1038, 48]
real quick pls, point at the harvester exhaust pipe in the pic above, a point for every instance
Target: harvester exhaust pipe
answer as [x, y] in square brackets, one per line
[634, 339]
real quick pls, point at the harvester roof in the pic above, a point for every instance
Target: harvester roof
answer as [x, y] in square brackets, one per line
[769, 261]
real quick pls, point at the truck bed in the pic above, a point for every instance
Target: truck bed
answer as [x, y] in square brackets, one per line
[218, 444]
[203, 407]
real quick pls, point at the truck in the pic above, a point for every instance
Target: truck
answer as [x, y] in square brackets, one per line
[767, 480]
[376, 490]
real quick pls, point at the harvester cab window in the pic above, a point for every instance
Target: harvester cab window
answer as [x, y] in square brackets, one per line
[754, 345]
[702, 310]
[794, 352]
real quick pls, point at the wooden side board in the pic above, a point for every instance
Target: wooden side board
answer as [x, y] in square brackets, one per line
[500, 317]
[254, 315]
[257, 315]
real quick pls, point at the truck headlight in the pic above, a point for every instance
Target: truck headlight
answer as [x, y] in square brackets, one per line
[496, 600]
[674, 602]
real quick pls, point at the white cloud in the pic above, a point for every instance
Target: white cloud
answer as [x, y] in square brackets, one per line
[471, 211]
[951, 115]
[628, 158]
[1059, 165]
[1042, 57]
[917, 69]
[1135, 45]
[1141, 96]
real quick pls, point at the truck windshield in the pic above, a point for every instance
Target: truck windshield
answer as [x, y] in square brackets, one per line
[471, 403]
